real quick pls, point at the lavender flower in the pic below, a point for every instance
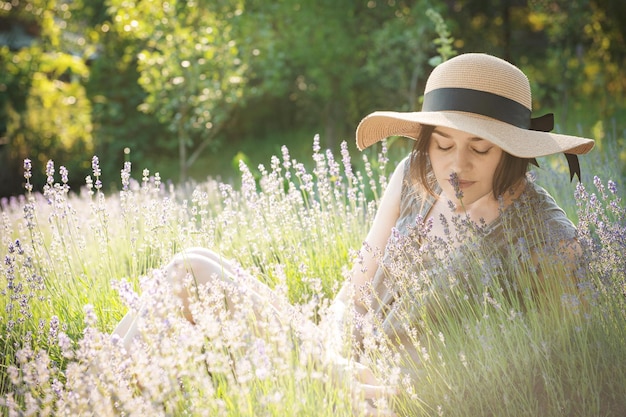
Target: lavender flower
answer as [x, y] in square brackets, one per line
[95, 167]
[50, 172]
[612, 187]
[91, 319]
[65, 344]
[125, 174]
[127, 294]
[145, 177]
[64, 179]
[316, 144]
[28, 174]
[27, 168]
[286, 161]
[64, 174]
[54, 330]
[347, 164]
[157, 181]
[454, 180]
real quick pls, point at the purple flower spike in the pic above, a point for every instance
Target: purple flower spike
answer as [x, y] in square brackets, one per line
[64, 176]
[27, 168]
[50, 172]
[612, 187]
[28, 174]
[454, 180]
[95, 166]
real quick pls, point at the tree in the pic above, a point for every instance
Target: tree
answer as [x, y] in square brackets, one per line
[399, 59]
[334, 60]
[45, 111]
[189, 66]
[572, 50]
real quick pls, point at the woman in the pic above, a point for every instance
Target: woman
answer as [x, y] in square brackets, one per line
[474, 140]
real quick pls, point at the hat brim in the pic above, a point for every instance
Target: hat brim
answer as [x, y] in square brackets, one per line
[514, 140]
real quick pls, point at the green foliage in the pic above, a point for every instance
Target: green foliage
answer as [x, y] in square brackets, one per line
[398, 57]
[569, 50]
[192, 78]
[46, 112]
[116, 97]
[57, 113]
[189, 66]
[445, 40]
[332, 62]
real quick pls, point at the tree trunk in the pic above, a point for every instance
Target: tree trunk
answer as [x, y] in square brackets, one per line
[413, 88]
[182, 150]
[506, 27]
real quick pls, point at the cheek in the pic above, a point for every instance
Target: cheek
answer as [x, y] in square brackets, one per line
[438, 166]
[493, 163]
[436, 159]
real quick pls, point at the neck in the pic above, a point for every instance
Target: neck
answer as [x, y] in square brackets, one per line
[487, 207]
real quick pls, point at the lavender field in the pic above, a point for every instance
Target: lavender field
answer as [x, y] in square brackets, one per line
[75, 261]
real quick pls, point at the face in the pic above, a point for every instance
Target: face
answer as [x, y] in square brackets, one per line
[473, 161]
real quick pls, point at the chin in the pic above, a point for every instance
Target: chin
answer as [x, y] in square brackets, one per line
[464, 201]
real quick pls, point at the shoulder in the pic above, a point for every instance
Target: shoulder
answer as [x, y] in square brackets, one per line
[400, 180]
[389, 204]
[400, 175]
[555, 246]
[535, 227]
[546, 209]
[537, 218]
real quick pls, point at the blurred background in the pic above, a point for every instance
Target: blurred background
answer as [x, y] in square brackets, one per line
[189, 87]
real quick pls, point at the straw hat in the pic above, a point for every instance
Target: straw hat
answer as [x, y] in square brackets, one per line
[482, 95]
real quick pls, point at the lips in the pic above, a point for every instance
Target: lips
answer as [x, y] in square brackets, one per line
[465, 184]
[462, 183]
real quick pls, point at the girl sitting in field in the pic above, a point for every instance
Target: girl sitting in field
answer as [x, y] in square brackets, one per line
[462, 196]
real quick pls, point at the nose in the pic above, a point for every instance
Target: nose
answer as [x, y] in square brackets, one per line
[462, 160]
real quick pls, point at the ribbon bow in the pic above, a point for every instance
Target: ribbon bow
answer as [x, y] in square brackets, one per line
[545, 123]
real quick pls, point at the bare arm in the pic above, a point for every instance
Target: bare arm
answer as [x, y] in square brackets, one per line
[388, 212]
[362, 273]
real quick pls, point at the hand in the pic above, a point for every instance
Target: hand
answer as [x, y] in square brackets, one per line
[367, 386]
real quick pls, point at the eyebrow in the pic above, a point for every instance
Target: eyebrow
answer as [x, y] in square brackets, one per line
[447, 136]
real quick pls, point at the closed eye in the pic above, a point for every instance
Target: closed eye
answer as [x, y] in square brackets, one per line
[482, 152]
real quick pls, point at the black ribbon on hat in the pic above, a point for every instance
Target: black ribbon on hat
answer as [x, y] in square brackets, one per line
[497, 107]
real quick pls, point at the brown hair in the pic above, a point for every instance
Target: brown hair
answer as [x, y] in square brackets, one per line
[510, 169]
